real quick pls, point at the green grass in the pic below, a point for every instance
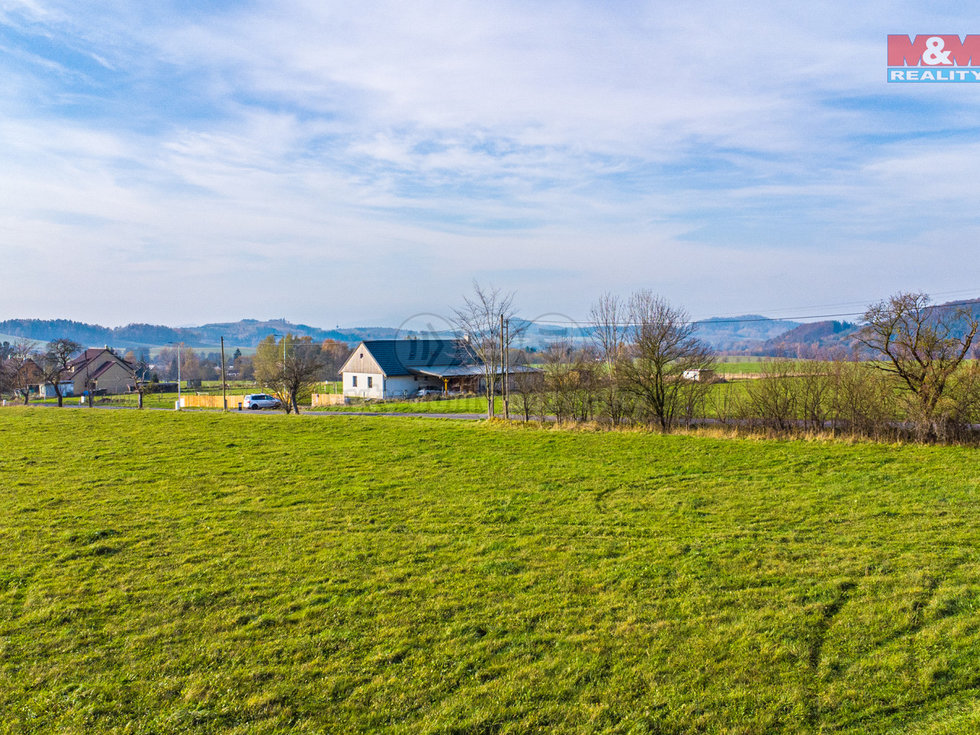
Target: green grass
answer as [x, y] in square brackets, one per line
[165, 572]
[471, 404]
[751, 365]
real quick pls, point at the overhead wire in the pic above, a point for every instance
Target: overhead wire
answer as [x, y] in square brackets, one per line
[761, 318]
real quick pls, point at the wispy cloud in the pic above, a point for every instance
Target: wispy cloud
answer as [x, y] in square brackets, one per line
[364, 161]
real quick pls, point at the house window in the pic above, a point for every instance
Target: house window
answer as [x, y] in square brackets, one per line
[370, 382]
[353, 381]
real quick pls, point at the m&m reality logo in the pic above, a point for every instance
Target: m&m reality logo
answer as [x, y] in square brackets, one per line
[938, 58]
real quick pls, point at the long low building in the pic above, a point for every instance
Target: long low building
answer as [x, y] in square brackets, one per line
[399, 368]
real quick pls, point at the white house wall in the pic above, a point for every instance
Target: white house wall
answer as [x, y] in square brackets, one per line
[356, 385]
[401, 386]
[47, 390]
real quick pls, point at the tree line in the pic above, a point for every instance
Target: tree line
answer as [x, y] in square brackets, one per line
[910, 375]
[644, 365]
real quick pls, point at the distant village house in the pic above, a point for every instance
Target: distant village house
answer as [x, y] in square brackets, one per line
[98, 369]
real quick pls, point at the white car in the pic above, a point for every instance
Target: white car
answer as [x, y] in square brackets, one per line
[260, 400]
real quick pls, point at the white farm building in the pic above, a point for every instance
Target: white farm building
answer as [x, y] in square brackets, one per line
[393, 368]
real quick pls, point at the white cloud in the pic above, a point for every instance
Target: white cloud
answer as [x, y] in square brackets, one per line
[388, 148]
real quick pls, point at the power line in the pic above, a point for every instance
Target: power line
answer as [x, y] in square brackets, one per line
[750, 319]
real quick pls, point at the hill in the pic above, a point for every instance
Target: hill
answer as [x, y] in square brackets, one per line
[746, 334]
[244, 333]
[812, 340]
[741, 333]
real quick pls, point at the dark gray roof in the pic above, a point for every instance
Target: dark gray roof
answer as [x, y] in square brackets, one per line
[463, 371]
[450, 371]
[408, 356]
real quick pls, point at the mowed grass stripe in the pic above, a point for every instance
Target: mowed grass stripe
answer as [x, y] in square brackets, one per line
[221, 573]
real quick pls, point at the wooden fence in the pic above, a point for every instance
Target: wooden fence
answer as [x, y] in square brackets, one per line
[328, 399]
[214, 401]
[196, 401]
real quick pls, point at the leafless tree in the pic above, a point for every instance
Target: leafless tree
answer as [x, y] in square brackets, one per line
[662, 347]
[478, 322]
[55, 364]
[693, 398]
[560, 381]
[608, 318]
[288, 367]
[589, 381]
[20, 370]
[527, 385]
[773, 398]
[813, 385]
[724, 401]
[862, 400]
[922, 346]
[140, 372]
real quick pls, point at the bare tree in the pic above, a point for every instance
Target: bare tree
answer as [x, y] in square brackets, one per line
[862, 399]
[20, 370]
[141, 377]
[608, 317]
[662, 347]
[773, 399]
[814, 388]
[478, 322]
[527, 384]
[560, 381]
[55, 364]
[923, 346]
[289, 367]
[589, 380]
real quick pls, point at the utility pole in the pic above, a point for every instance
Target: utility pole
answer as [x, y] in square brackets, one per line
[507, 370]
[177, 407]
[224, 385]
[503, 387]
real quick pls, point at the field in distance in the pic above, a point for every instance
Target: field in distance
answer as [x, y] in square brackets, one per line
[206, 572]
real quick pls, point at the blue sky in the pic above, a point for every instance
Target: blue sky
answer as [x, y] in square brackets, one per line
[357, 163]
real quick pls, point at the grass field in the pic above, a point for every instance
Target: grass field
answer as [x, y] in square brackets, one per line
[747, 367]
[470, 404]
[165, 572]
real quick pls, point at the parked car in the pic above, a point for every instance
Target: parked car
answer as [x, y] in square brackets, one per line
[256, 401]
[428, 392]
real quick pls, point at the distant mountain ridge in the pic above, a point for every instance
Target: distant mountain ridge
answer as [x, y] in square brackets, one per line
[812, 340]
[721, 333]
[748, 334]
[741, 333]
[244, 333]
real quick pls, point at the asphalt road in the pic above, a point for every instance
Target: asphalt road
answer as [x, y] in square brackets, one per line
[266, 412]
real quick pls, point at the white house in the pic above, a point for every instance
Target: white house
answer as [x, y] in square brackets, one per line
[699, 375]
[393, 368]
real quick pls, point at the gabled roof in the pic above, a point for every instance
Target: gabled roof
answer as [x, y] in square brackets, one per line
[86, 357]
[410, 356]
[95, 361]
